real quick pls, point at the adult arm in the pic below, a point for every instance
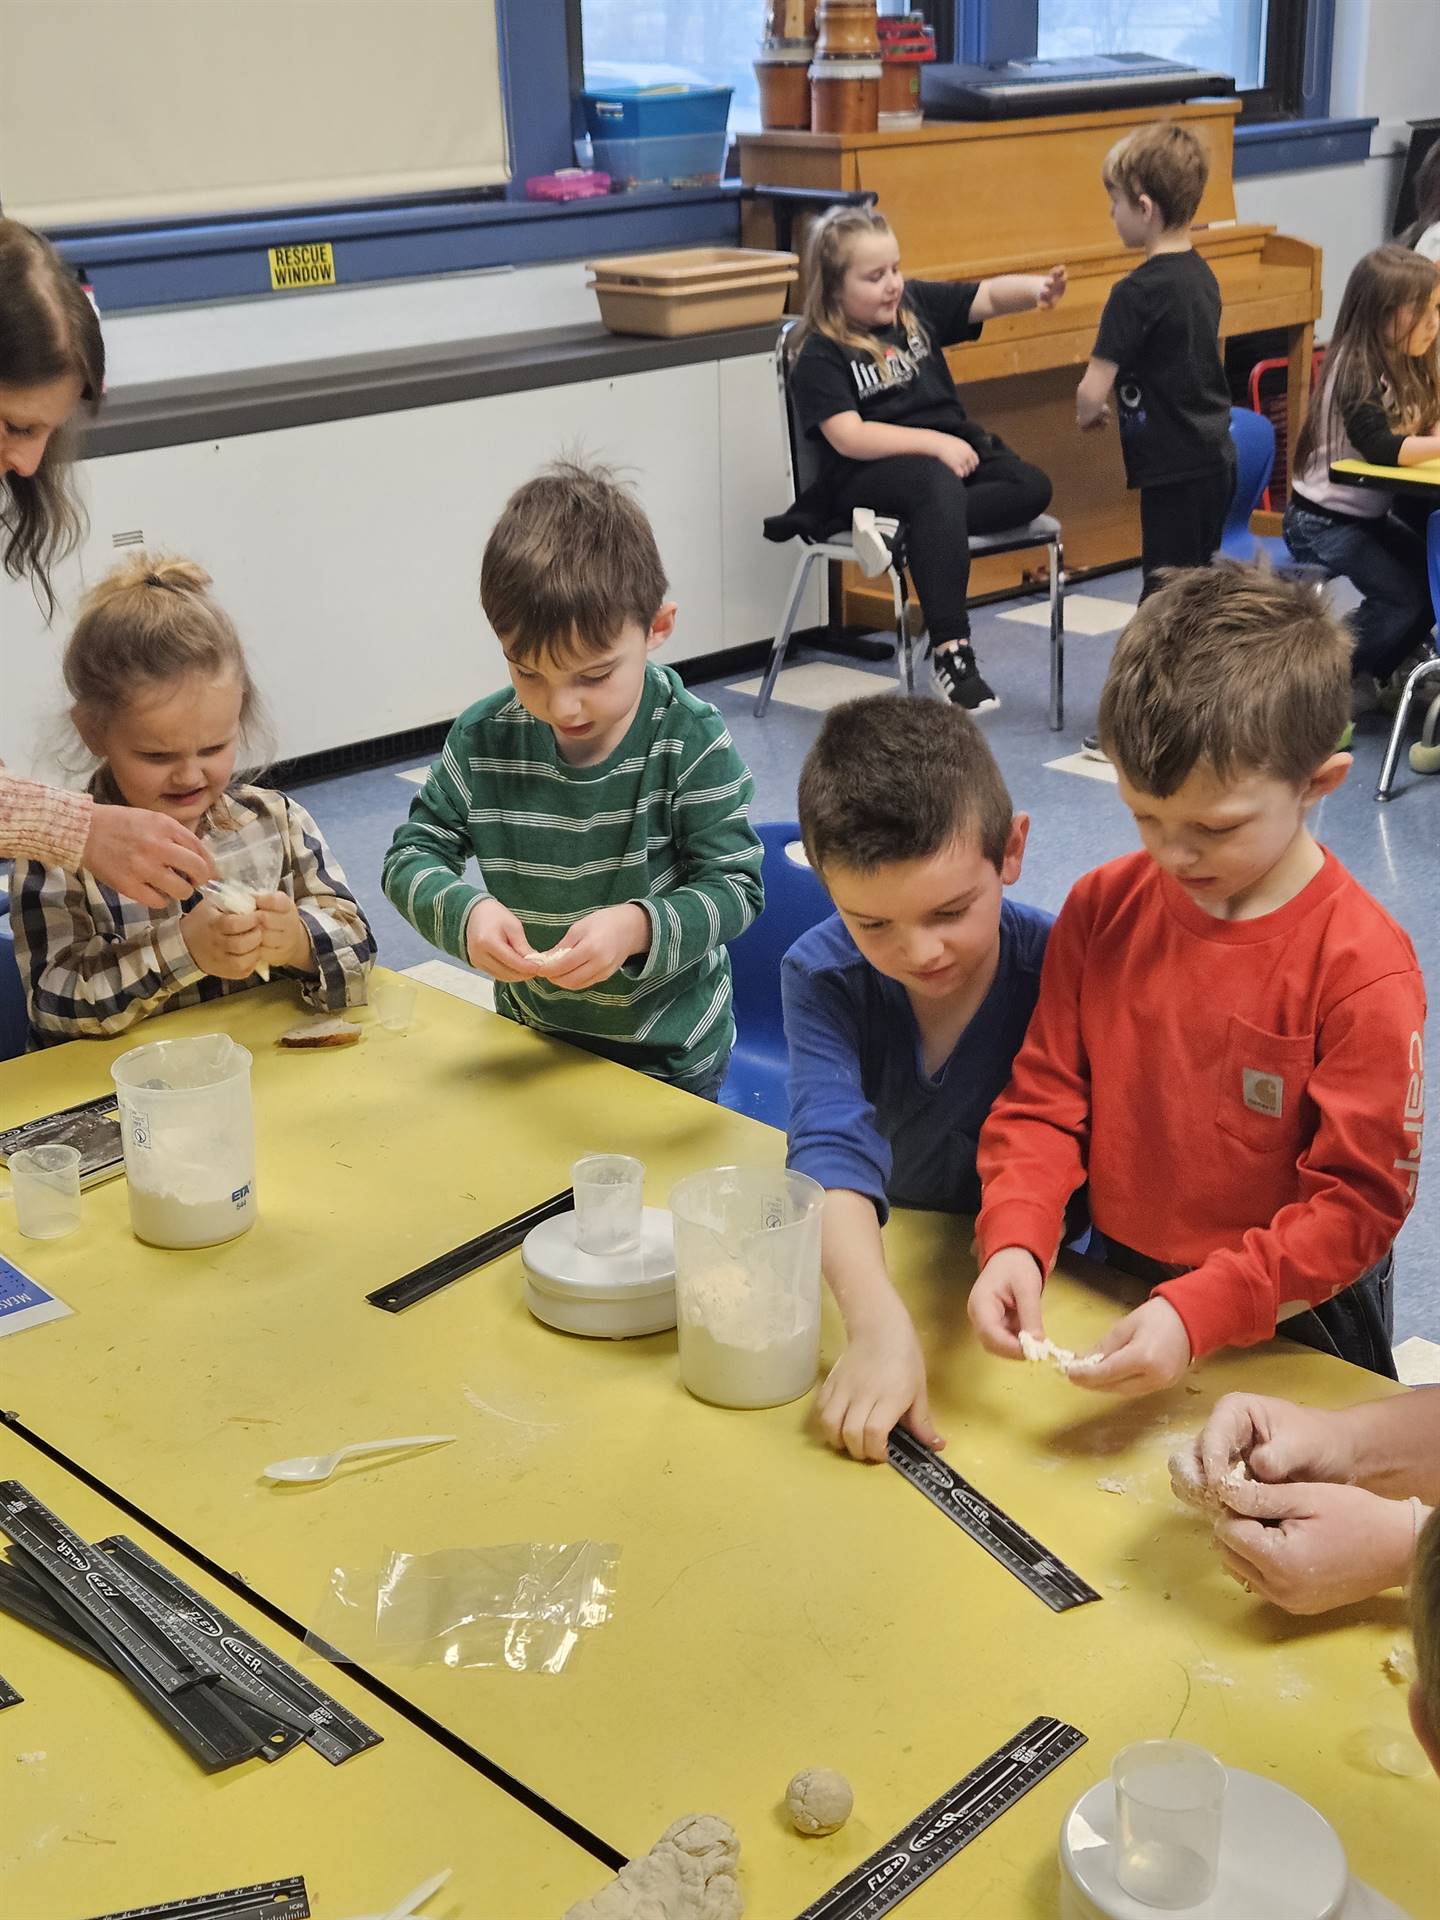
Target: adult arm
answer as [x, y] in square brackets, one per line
[146, 856]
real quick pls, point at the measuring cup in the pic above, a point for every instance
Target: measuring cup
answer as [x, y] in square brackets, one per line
[747, 1284]
[189, 1139]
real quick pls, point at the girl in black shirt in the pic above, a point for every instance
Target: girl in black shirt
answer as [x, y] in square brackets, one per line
[871, 389]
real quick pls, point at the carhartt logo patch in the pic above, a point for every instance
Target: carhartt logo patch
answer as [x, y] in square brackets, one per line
[1264, 1092]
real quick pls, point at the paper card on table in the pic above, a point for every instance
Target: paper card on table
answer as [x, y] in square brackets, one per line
[24, 1302]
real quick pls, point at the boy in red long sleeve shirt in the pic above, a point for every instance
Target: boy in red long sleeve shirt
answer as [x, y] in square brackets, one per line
[1228, 1036]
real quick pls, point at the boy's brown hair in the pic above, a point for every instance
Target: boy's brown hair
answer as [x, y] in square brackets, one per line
[1231, 668]
[1425, 1607]
[1167, 162]
[570, 560]
[893, 779]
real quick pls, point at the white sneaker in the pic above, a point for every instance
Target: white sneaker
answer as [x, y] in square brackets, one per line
[871, 551]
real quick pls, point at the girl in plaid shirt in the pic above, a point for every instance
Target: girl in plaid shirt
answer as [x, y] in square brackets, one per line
[162, 698]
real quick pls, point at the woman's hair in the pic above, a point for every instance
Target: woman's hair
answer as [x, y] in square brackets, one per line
[1427, 197]
[827, 255]
[148, 622]
[48, 330]
[1365, 360]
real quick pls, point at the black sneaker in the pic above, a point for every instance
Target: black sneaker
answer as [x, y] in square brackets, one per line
[957, 675]
[1091, 748]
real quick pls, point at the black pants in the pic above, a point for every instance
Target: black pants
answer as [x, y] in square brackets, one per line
[940, 511]
[1181, 524]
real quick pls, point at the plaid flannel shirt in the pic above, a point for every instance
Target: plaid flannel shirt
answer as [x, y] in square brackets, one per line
[94, 963]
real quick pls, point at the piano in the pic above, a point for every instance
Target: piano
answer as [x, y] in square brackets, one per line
[1013, 87]
[971, 198]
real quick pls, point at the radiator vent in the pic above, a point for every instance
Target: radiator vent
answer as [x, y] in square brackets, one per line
[134, 537]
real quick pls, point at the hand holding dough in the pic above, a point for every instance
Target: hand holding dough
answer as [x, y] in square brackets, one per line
[818, 1800]
[689, 1874]
[230, 897]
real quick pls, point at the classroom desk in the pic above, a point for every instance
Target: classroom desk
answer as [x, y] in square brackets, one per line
[104, 1810]
[777, 1606]
[1422, 481]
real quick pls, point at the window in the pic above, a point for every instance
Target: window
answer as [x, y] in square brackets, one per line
[1229, 36]
[647, 43]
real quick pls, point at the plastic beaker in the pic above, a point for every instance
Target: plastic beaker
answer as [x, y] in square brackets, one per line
[46, 1185]
[1169, 1797]
[393, 998]
[609, 1202]
[189, 1138]
[747, 1284]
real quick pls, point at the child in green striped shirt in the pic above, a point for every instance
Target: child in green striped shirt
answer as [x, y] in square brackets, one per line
[606, 807]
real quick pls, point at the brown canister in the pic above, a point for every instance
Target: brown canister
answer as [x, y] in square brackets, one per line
[845, 96]
[783, 74]
[900, 87]
[791, 20]
[847, 30]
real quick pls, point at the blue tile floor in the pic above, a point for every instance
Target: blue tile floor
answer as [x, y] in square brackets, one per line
[1077, 819]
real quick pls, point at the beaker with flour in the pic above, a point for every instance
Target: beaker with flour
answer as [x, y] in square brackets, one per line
[747, 1284]
[189, 1138]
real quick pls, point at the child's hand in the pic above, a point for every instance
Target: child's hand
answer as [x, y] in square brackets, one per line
[1052, 288]
[1310, 1548]
[284, 937]
[1005, 1301]
[495, 942]
[1147, 1350]
[958, 455]
[1091, 420]
[598, 946]
[1278, 1441]
[879, 1379]
[224, 945]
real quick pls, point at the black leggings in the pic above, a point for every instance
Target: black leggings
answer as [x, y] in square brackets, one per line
[939, 511]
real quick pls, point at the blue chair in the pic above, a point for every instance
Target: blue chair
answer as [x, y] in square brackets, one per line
[1254, 438]
[14, 1024]
[794, 902]
[1424, 757]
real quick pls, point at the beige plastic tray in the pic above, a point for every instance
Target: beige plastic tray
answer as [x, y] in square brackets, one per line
[690, 266]
[711, 306]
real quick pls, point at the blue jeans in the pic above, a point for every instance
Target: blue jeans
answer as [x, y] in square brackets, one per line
[1385, 561]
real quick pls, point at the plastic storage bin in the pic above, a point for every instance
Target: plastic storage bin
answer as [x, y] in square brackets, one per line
[650, 113]
[665, 160]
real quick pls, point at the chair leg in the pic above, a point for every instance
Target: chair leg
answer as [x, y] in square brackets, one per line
[782, 638]
[904, 657]
[1057, 636]
[1397, 733]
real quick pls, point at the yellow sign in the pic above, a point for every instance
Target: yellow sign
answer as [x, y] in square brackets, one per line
[312, 266]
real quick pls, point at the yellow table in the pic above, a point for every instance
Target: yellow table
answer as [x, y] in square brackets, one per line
[777, 1606]
[1423, 481]
[104, 1810]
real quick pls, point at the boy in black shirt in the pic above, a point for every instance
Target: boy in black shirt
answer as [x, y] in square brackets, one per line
[1158, 348]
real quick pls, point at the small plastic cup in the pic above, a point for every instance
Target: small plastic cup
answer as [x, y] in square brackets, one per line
[1169, 1798]
[609, 1202]
[393, 998]
[46, 1184]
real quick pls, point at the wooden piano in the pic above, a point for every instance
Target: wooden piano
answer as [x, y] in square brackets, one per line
[967, 199]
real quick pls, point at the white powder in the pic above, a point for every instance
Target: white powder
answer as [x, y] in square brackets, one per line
[746, 1342]
[165, 1220]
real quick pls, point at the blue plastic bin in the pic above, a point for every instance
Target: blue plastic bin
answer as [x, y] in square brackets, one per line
[671, 161]
[655, 113]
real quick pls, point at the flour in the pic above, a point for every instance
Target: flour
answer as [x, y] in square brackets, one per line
[165, 1220]
[1107, 1484]
[1399, 1665]
[1061, 1358]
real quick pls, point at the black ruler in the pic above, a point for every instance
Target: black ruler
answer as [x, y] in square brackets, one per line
[270, 1900]
[8, 1696]
[396, 1295]
[247, 1667]
[988, 1526]
[948, 1824]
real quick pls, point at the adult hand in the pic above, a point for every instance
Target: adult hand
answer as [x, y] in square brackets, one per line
[226, 945]
[1310, 1548]
[1276, 1439]
[956, 454]
[146, 856]
[877, 1381]
[495, 942]
[1052, 287]
[1148, 1350]
[597, 946]
[1005, 1301]
[284, 937]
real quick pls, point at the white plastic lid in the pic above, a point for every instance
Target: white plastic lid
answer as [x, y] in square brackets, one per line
[559, 1268]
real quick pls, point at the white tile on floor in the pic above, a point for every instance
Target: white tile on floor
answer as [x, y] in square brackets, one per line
[449, 978]
[1084, 613]
[1418, 1362]
[819, 685]
[416, 775]
[1087, 768]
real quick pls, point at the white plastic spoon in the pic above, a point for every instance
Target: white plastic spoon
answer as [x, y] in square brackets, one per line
[412, 1902]
[309, 1469]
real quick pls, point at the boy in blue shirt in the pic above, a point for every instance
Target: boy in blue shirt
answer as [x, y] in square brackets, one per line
[903, 1013]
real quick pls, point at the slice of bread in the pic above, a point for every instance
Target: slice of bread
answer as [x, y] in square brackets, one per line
[322, 1030]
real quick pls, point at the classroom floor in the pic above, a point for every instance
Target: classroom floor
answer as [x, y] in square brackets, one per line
[1077, 819]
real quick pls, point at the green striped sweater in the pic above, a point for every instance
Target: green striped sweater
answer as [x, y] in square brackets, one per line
[663, 822]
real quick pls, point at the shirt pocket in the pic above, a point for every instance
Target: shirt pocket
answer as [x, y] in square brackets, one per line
[1263, 1078]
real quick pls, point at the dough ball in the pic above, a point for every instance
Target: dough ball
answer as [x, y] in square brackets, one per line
[818, 1800]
